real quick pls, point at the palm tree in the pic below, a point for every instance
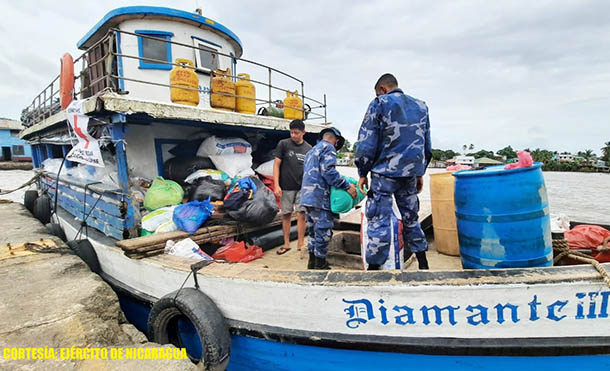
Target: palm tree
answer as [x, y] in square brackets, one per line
[464, 148]
[471, 146]
[606, 152]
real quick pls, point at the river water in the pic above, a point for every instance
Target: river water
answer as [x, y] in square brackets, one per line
[583, 197]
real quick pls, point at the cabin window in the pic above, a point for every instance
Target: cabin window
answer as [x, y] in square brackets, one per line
[15, 133]
[18, 150]
[155, 49]
[206, 58]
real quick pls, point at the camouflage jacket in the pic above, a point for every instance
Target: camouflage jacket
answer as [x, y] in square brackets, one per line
[319, 174]
[394, 138]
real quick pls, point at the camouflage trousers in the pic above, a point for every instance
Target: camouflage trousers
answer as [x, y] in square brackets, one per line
[379, 211]
[319, 230]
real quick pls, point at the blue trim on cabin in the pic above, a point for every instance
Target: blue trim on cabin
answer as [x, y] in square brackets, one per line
[150, 65]
[160, 11]
[207, 41]
[159, 142]
[120, 62]
[117, 133]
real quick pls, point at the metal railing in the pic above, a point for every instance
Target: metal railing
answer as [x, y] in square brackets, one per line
[46, 103]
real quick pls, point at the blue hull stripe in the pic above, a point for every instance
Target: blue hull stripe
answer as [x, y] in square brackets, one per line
[258, 354]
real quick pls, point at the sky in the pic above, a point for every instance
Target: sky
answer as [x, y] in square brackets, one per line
[530, 74]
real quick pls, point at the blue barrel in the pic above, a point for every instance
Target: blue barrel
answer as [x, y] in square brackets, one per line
[503, 218]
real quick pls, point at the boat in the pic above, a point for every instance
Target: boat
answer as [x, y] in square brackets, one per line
[272, 313]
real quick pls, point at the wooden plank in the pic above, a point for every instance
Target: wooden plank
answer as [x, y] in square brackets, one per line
[158, 240]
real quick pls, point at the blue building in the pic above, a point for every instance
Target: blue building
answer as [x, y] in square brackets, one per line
[13, 148]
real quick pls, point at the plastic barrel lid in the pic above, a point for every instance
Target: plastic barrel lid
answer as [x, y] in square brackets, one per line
[495, 170]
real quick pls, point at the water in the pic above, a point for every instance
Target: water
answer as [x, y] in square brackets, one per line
[583, 197]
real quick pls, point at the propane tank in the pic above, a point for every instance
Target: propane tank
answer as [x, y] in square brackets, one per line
[246, 94]
[293, 106]
[182, 76]
[221, 83]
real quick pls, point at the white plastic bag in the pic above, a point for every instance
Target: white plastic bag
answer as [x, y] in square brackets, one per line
[214, 174]
[396, 254]
[168, 226]
[154, 219]
[215, 146]
[52, 165]
[245, 173]
[266, 168]
[186, 248]
[232, 164]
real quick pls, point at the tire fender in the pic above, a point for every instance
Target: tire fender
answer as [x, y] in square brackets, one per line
[29, 199]
[207, 319]
[86, 252]
[42, 209]
[56, 230]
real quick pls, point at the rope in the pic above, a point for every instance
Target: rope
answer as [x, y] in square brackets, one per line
[563, 248]
[26, 184]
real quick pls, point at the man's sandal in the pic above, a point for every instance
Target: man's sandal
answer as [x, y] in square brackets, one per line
[283, 250]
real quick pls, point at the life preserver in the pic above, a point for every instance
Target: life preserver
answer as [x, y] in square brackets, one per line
[66, 81]
[174, 319]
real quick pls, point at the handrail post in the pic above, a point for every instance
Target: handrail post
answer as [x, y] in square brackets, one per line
[325, 120]
[269, 69]
[303, 102]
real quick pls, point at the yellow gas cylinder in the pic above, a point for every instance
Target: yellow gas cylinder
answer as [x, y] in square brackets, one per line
[293, 106]
[443, 214]
[185, 77]
[221, 83]
[246, 94]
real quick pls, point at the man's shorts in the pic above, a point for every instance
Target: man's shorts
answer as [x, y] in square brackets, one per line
[290, 201]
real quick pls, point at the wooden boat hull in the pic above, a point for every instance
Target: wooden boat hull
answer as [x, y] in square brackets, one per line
[386, 318]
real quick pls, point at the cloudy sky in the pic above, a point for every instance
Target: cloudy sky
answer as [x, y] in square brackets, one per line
[493, 73]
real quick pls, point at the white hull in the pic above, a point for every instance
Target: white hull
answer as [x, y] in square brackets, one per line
[524, 304]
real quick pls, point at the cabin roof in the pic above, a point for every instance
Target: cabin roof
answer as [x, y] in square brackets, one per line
[7, 124]
[116, 16]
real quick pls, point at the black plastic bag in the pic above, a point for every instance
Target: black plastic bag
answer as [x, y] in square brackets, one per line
[259, 210]
[206, 187]
[178, 168]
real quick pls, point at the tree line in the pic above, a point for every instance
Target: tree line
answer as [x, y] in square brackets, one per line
[547, 157]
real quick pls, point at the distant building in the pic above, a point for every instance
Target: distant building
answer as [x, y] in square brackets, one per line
[485, 161]
[464, 160]
[13, 148]
[565, 158]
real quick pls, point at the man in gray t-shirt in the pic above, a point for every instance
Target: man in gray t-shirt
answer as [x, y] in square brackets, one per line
[287, 176]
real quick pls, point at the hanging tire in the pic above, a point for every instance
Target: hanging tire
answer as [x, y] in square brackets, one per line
[194, 322]
[86, 252]
[29, 199]
[56, 230]
[42, 209]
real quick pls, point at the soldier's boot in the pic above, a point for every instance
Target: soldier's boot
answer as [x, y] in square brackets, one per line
[321, 263]
[374, 267]
[311, 264]
[422, 260]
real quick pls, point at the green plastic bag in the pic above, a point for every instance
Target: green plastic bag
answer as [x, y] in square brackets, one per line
[341, 201]
[163, 193]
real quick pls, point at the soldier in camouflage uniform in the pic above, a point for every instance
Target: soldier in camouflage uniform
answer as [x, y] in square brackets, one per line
[319, 174]
[394, 146]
